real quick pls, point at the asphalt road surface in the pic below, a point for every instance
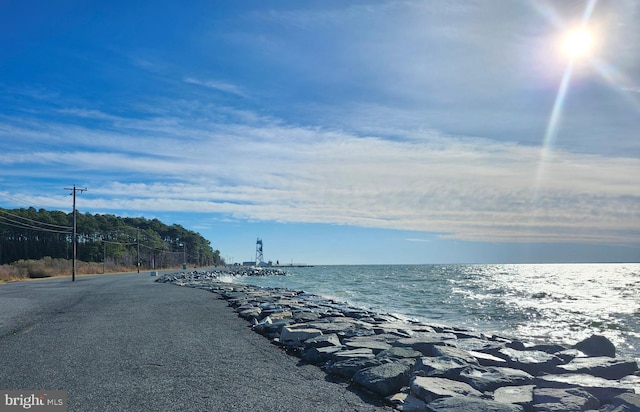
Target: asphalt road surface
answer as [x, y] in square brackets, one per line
[125, 343]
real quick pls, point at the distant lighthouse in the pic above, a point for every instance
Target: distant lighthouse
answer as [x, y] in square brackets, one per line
[259, 255]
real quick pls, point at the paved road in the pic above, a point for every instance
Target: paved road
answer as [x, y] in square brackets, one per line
[125, 343]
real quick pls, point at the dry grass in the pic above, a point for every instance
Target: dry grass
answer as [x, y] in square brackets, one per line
[48, 267]
[9, 273]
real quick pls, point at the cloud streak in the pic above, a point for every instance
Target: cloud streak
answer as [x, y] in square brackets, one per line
[426, 117]
[463, 188]
[217, 85]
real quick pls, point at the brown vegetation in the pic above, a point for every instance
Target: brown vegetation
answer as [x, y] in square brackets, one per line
[48, 267]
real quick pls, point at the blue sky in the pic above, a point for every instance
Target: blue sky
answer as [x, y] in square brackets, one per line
[336, 131]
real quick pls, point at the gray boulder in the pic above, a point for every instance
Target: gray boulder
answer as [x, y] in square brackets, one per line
[294, 335]
[385, 379]
[548, 347]
[568, 355]
[250, 313]
[340, 326]
[322, 341]
[318, 356]
[430, 389]
[519, 395]
[406, 402]
[269, 329]
[530, 361]
[305, 316]
[597, 345]
[423, 345]
[486, 359]
[452, 352]
[490, 378]
[603, 367]
[399, 353]
[362, 353]
[632, 381]
[439, 367]
[627, 402]
[479, 345]
[563, 400]
[443, 335]
[457, 404]
[368, 342]
[348, 367]
[603, 389]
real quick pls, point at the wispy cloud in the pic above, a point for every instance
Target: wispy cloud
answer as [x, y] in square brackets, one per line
[406, 115]
[217, 85]
[468, 188]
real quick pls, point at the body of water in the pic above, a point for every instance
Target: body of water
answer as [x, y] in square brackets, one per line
[561, 303]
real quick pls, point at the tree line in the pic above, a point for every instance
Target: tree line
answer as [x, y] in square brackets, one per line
[34, 234]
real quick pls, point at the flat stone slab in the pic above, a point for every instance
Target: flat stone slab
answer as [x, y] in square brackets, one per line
[423, 345]
[443, 336]
[354, 353]
[291, 335]
[627, 402]
[479, 345]
[439, 367]
[340, 326]
[430, 389]
[603, 367]
[459, 404]
[454, 352]
[372, 343]
[489, 378]
[531, 361]
[603, 389]
[395, 353]
[520, 395]
[486, 359]
[574, 399]
[322, 341]
[632, 381]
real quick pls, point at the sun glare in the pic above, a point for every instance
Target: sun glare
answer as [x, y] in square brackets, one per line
[577, 43]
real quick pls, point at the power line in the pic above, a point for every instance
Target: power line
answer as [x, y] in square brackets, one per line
[22, 225]
[117, 243]
[15, 199]
[34, 221]
[168, 252]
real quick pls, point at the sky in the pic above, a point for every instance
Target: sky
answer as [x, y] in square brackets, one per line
[338, 132]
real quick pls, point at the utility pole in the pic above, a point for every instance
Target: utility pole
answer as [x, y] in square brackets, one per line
[75, 230]
[184, 255]
[138, 241]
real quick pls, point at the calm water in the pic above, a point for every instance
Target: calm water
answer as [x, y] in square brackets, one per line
[551, 303]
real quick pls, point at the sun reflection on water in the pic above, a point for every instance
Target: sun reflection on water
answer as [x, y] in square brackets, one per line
[566, 303]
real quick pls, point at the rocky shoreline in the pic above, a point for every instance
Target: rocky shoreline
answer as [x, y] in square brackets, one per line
[415, 366]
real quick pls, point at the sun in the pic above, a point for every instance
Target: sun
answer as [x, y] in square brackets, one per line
[577, 43]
